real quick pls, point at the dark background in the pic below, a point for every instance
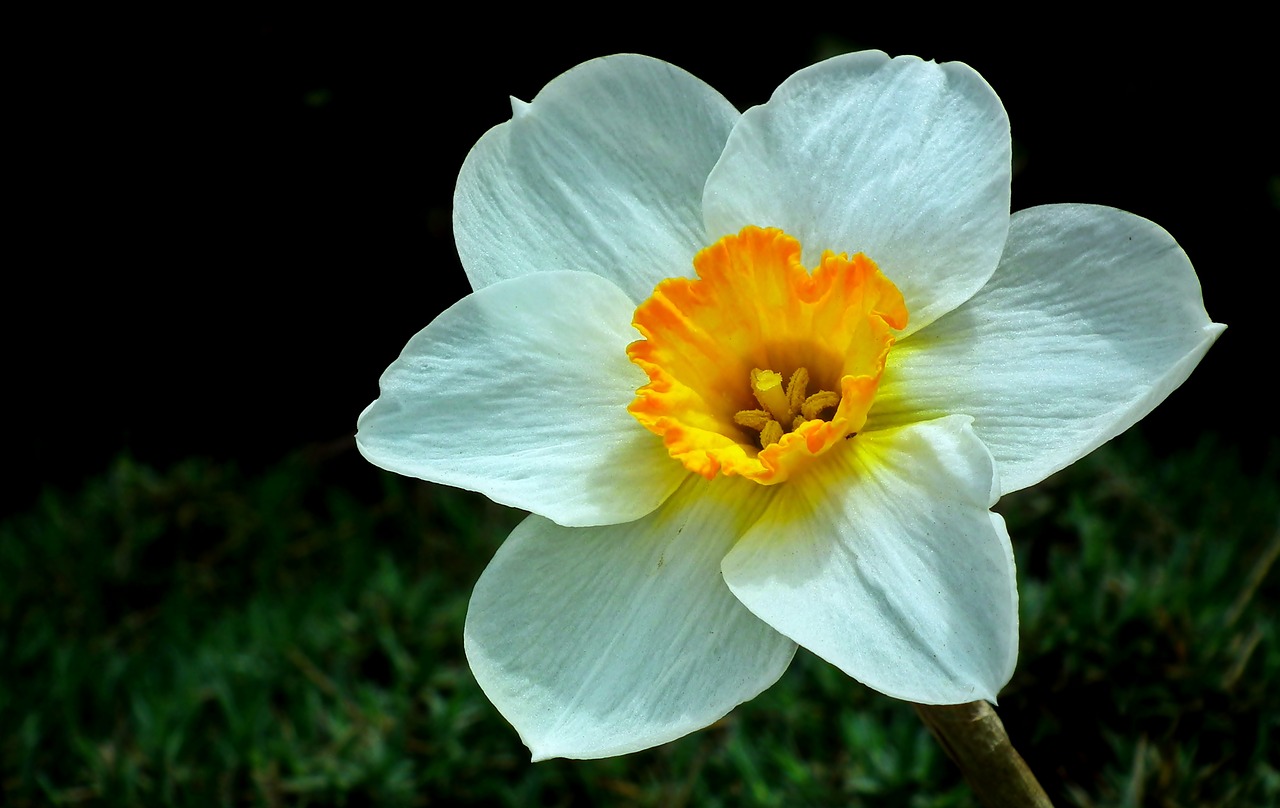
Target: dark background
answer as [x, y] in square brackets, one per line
[239, 222]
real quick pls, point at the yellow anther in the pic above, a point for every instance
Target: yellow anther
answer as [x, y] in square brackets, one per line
[796, 390]
[753, 419]
[767, 387]
[771, 434]
[818, 402]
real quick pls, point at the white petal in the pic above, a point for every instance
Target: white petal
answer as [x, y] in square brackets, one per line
[1093, 317]
[601, 641]
[904, 160]
[602, 172]
[886, 562]
[520, 391]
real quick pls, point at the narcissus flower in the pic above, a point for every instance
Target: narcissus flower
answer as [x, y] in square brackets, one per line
[759, 379]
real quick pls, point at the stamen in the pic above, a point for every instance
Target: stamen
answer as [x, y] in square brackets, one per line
[752, 419]
[818, 402]
[771, 434]
[796, 389]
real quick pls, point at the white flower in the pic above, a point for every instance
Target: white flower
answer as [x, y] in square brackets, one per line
[641, 601]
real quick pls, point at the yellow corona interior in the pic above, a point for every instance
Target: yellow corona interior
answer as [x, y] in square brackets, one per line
[757, 365]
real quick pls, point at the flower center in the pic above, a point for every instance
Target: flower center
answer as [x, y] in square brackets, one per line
[717, 349]
[785, 408]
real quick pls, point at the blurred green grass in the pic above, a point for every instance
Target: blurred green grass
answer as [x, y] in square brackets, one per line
[199, 636]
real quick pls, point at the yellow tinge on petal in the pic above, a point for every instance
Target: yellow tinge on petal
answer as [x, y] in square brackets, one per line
[757, 366]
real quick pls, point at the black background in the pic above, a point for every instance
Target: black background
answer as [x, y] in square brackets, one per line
[235, 224]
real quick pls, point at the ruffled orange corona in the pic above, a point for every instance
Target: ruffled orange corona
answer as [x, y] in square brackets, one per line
[757, 366]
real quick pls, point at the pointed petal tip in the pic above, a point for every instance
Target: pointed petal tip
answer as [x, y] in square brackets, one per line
[874, 598]
[446, 411]
[947, 149]
[961, 693]
[619, 133]
[586, 659]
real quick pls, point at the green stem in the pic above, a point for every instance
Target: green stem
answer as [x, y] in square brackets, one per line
[974, 738]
